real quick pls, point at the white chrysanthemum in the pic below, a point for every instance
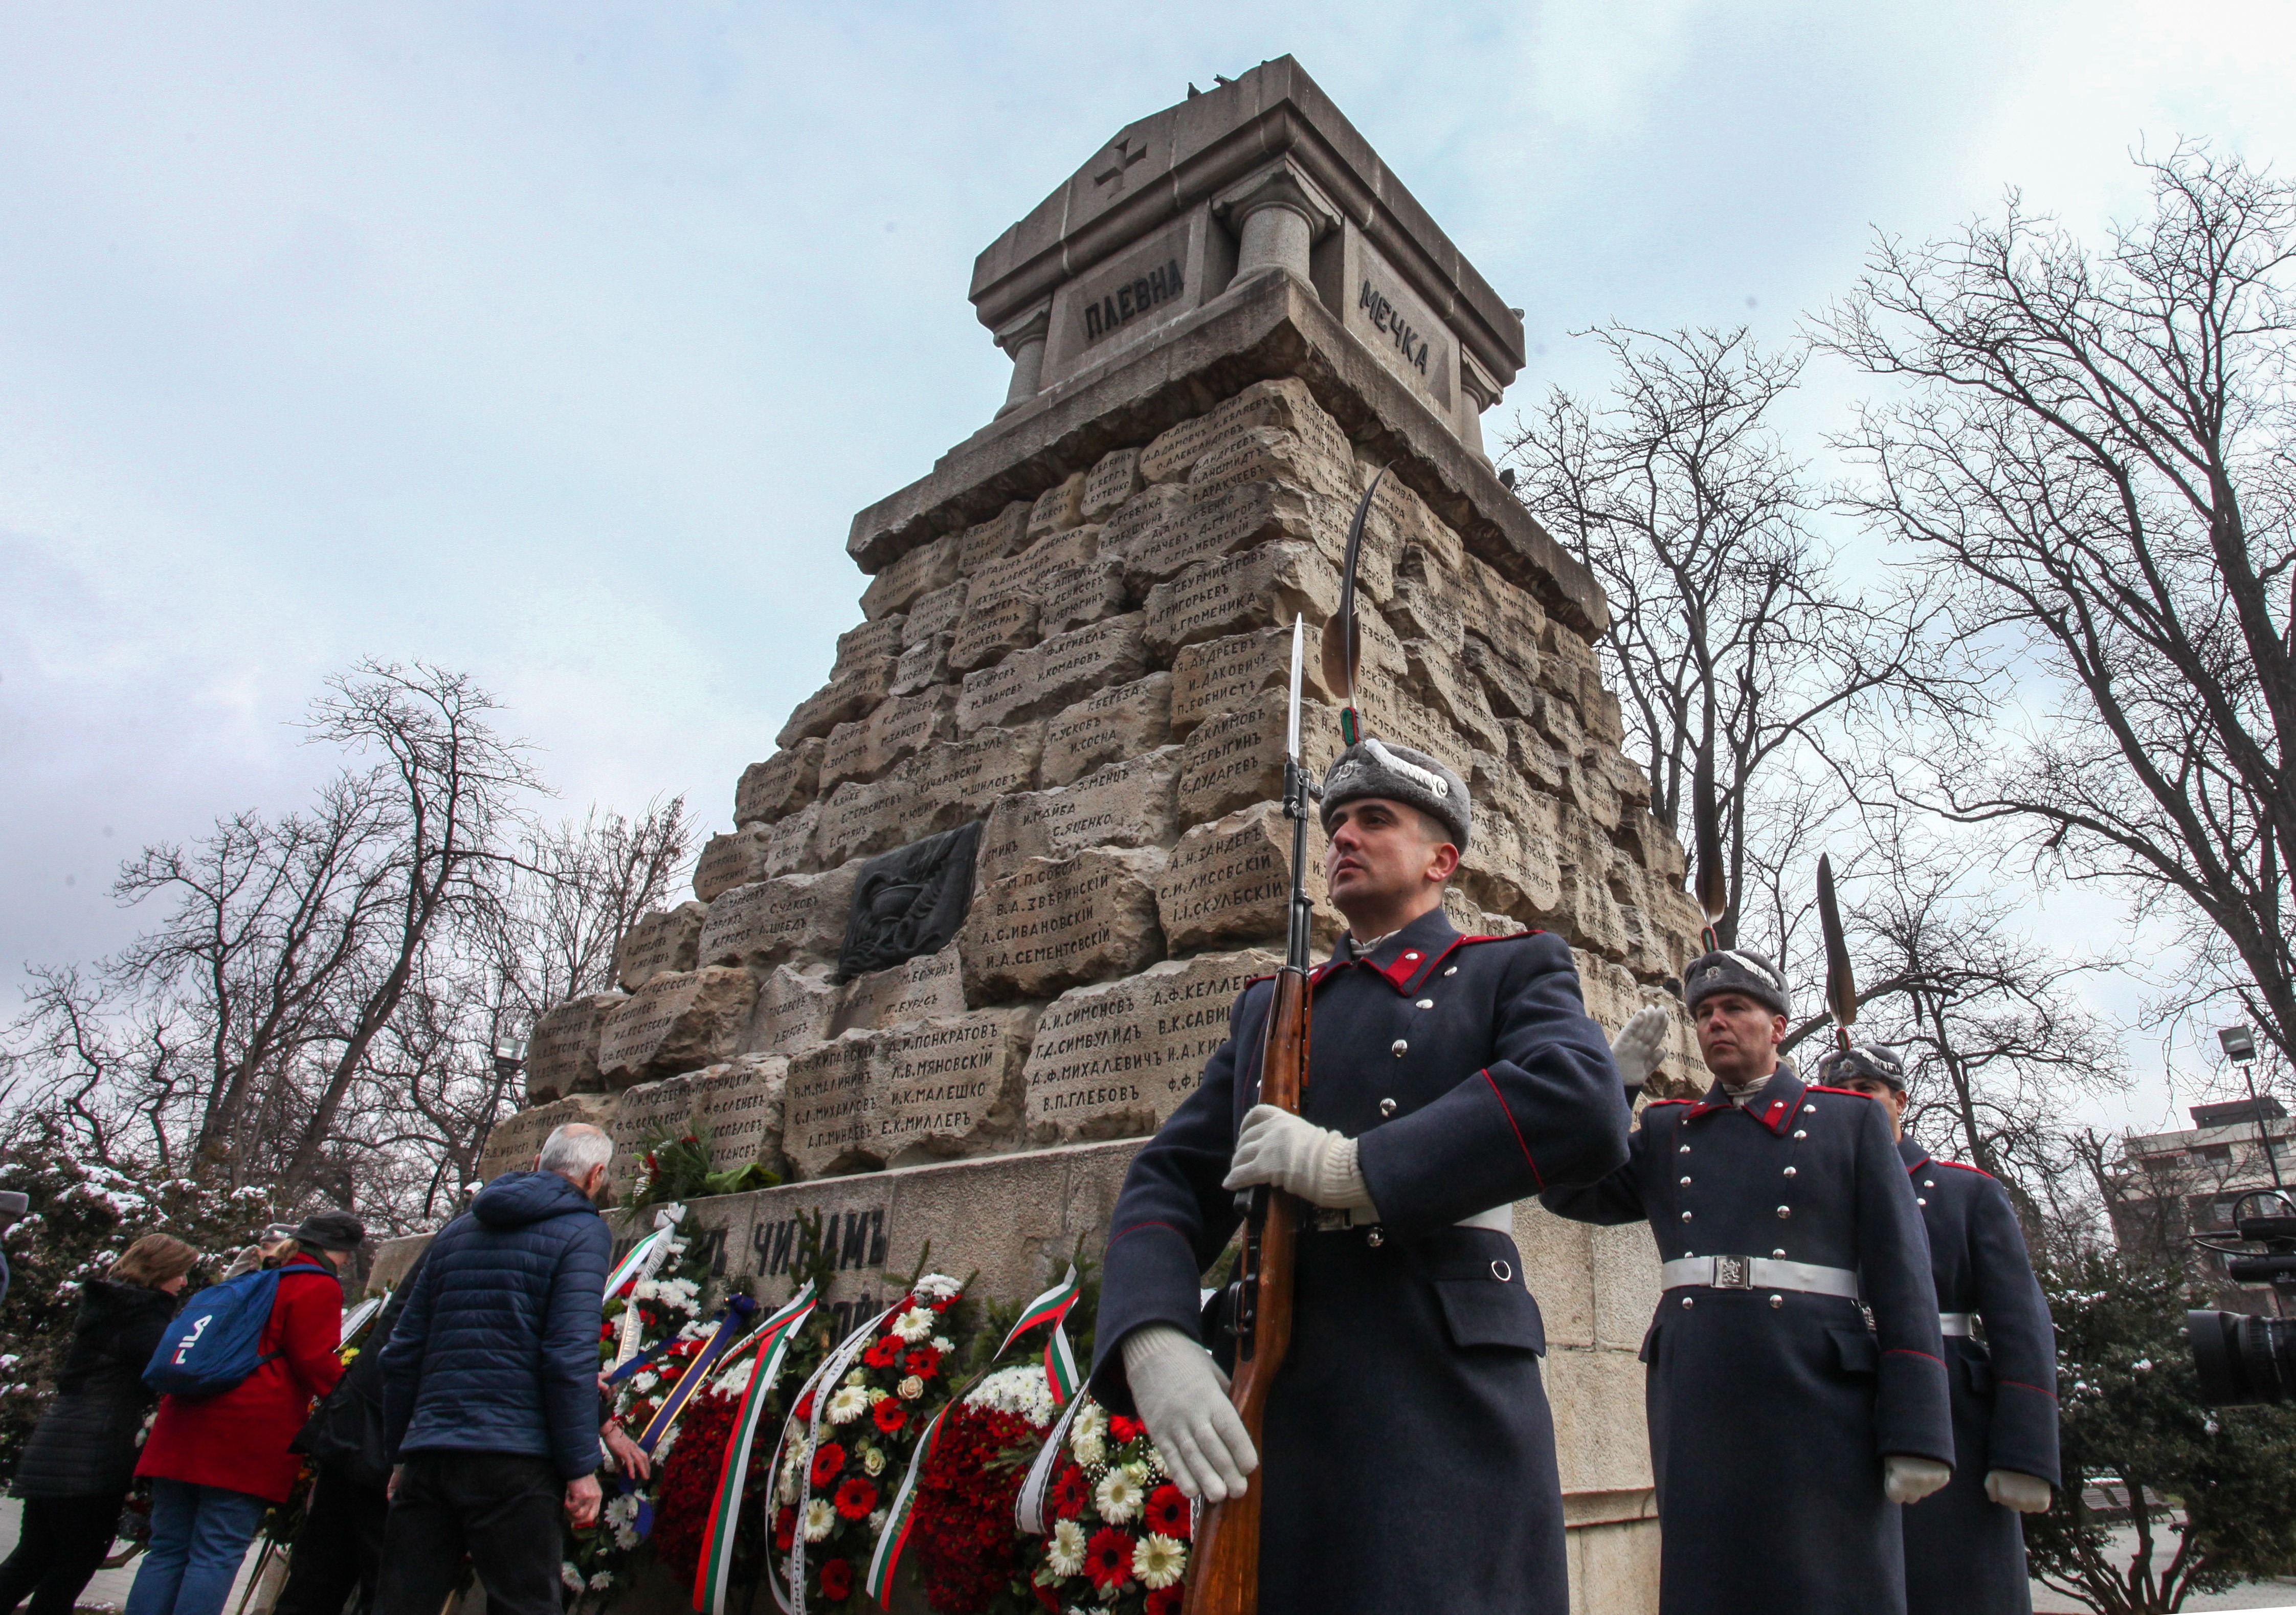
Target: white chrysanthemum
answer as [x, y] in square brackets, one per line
[736, 1379]
[1020, 1390]
[1064, 1553]
[938, 1287]
[643, 1380]
[849, 1403]
[911, 1389]
[1090, 1448]
[943, 1344]
[622, 1508]
[1119, 1495]
[570, 1575]
[860, 1376]
[1159, 1560]
[600, 1582]
[820, 1519]
[873, 1460]
[914, 1325]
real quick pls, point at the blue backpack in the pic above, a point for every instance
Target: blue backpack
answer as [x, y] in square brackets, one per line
[217, 1341]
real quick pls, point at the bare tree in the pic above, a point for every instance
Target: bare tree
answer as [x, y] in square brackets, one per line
[2097, 447]
[1728, 631]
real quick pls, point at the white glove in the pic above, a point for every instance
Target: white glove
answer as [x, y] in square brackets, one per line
[1905, 1478]
[1295, 1155]
[1182, 1397]
[2015, 1488]
[1640, 1043]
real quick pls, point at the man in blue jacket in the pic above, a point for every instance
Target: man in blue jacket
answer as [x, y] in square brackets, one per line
[490, 1388]
[1409, 1448]
[1965, 1547]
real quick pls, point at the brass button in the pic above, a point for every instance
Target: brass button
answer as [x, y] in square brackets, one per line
[1776, 1301]
[1778, 1253]
[1809, 1110]
[1685, 1217]
[1685, 1180]
[1682, 1149]
[1790, 1171]
[1375, 1238]
[1453, 971]
[1799, 1134]
[1400, 1048]
[1427, 1004]
[1687, 1302]
[1919, 1201]
[1786, 1211]
[1387, 1107]
[1411, 956]
[1929, 1183]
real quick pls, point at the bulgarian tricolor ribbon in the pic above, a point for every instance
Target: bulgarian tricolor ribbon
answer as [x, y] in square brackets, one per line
[644, 1261]
[1060, 1374]
[831, 1371]
[773, 1337]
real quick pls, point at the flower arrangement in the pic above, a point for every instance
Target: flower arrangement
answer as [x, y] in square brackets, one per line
[1120, 1528]
[848, 1440]
[965, 1542]
[678, 1168]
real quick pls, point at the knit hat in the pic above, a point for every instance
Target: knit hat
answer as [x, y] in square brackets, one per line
[1837, 1066]
[1398, 774]
[331, 1230]
[1735, 970]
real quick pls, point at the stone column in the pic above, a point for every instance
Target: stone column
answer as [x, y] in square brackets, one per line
[1478, 392]
[1024, 339]
[1278, 216]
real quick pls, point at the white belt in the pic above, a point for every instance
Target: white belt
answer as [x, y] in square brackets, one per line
[1956, 1322]
[1757, 1272]
[1331, 1219]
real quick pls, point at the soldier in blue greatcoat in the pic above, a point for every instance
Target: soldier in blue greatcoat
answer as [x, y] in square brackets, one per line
[1784, 1430]
[1965, 1547]
[1410, 1453]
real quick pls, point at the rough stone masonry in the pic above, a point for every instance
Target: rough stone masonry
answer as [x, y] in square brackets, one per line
[1075, 632]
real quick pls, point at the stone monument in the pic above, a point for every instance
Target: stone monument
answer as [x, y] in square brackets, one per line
[980, 916]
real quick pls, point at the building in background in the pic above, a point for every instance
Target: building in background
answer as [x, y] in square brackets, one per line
[2181, 1184]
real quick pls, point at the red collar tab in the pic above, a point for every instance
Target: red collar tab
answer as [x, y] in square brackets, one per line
[1774, 1107]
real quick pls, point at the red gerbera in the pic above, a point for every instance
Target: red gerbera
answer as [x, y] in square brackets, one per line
[836, 1580]
[855, 1498]
[1166, 1601]
[1121, 1429]
[828, 1459]
[1167, 1512]
[785, 1527]
[923, 1361]
[804, 1409]
[882, 1354]
[1108, 1557]
[890, 1415]
[1070, 1491]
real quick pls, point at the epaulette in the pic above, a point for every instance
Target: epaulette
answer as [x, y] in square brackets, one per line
[1819, 1087]
[1960, 1167]
[1511, 937]
[1654, 1103]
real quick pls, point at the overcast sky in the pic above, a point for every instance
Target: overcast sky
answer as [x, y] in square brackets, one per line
[559, 343]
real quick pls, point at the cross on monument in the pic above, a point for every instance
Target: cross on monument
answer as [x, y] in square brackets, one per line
[1121, 155]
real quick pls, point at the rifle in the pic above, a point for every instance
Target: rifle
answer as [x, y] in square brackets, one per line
[1224, 1573]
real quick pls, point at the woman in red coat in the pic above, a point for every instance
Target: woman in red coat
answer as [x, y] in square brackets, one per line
[219, 1462]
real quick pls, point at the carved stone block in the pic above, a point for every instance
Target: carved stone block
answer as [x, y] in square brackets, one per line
[1259, 588]
[779, 786]
[1219, 522]
[1115, 1059]
[1046, 677]
[562, 1052]
[797, 1007]
[1216, 676]
[953, 1088]
[1126, 804]
[1146, 521]
[960, 780]
[1236, 758]
[909, 901]
[516, 1140]
[1113, 479]
[992, 631]
[924, 568]
[651, 1113]
[1511, 686]
[675, 1023]
[791, 916]
[740, 1108]
[659, 941]
[1230, 882]
[1001, 535]
[937, 613]
[731, 859]
[927, 988]
[863, 749]
[1055, 922]
[1458, 695]
[922, 665]
[1058, 507]
[860, 818]
[1269, 454]
[1079, 593]
[830, 1107]
[1393, 711]
[854, 688]
[1124, 720]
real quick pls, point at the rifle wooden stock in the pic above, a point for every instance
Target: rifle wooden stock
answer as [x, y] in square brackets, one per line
[1224, 1563]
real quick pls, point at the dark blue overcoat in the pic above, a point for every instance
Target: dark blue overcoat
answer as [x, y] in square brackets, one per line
[1770, 1410]
[1409, 1452]
[1964, 1553]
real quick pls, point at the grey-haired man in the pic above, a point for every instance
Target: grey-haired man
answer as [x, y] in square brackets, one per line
[1783, 1430]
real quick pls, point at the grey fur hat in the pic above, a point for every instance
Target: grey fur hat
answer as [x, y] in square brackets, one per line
[1372, 768]
[1737, 970]
[1837, 1066]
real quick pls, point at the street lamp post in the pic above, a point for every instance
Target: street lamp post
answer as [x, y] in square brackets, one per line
[2239, 1049]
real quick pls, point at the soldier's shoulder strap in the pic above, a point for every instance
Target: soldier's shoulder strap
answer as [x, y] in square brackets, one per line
[1819, 1087]
[1660, 1105]
[1961, 1167]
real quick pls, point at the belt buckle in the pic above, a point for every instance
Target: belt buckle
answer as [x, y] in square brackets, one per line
[1733, 1273]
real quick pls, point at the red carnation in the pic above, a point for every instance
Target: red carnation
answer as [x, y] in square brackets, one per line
[923, 1361]
[855, 1498]
[1121, 1429]
[1166, 1601]
[785, 1527]
[804, 1409]
[1167, 1512]
[1108, 1557]
[836, 1580]
[882, 1354]
[890, 1415]
[1071, 1492]
[828, 1459]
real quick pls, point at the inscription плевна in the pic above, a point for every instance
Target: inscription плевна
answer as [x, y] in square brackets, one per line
[1128, 302]
[1385, 316]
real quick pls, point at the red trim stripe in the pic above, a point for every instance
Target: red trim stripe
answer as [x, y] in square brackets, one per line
[1139, 1228]
[2021, 1385]
[1907, 1351]
[1536, 1176]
